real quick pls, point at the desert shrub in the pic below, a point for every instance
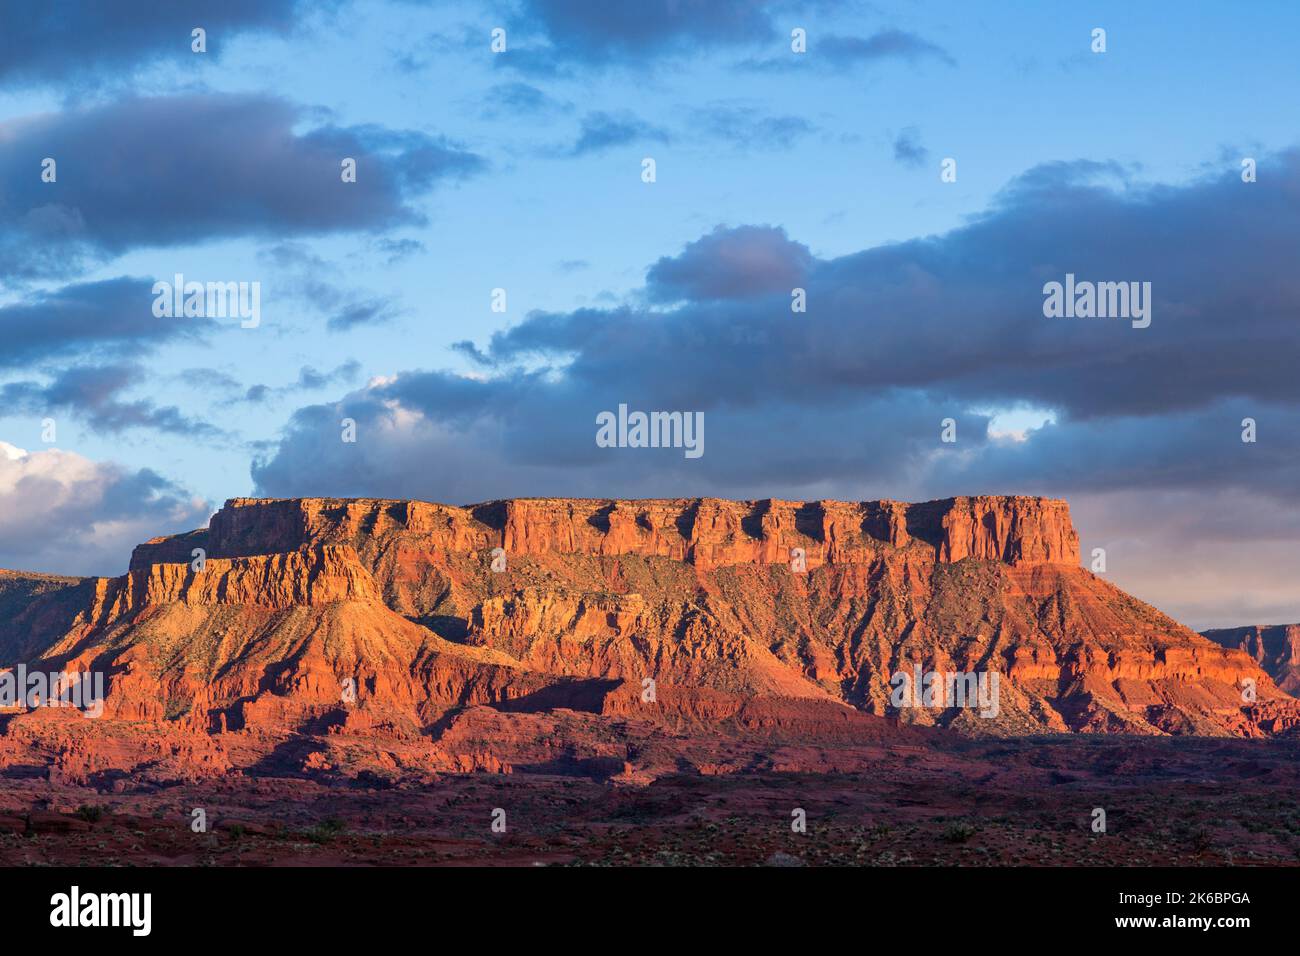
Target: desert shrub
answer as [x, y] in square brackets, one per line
[958, 832]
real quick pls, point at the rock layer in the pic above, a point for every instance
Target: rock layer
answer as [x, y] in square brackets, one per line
[706, 532]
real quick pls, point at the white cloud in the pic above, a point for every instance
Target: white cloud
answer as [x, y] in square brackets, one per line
[62, 512]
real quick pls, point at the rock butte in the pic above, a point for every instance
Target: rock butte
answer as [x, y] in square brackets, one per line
[240, 666]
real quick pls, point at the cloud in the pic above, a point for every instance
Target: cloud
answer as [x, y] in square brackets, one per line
[61, 512]
[426, 49]
[847, 399]
[952, 325]
[601, 34]
[886, 44]
[438, 436]
[346, 308]
[908, 149]
[742, 126]
[233, 165]
[749, 127]
[374, 311]
[208, 379]
[113, 318]
[51, 43]
[843, 52]
[521, 99]
[736, 263]
[93, 393]
[395, 250]
[578, 34]
[601, 131]
[309, 379]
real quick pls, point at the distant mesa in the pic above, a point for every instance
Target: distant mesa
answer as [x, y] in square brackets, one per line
[1275, 647]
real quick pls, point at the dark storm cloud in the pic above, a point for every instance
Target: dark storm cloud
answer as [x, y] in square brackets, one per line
[111, 317]
[895, 338]
[59, 42]
[149, 172]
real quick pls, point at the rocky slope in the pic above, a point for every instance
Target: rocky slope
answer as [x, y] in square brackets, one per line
[340, 633]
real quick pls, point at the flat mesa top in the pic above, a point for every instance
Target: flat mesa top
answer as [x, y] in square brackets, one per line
[677, 502]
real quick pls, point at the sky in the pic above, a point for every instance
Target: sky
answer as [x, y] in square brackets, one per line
[499, 271]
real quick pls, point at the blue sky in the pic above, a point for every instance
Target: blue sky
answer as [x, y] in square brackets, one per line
[522, 171]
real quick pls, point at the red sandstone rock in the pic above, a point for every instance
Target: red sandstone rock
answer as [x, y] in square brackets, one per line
[704, 531]
[377, 635]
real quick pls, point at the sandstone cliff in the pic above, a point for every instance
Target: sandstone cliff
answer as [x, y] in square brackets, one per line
[397, 620]
[1276, 648]
[705, 532]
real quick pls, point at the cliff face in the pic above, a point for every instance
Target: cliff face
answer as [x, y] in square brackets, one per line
[705, 532]
[390, 618]
[1276, 648]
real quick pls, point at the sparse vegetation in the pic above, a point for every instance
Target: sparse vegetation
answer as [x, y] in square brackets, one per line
[958, 832]
[326, 830]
